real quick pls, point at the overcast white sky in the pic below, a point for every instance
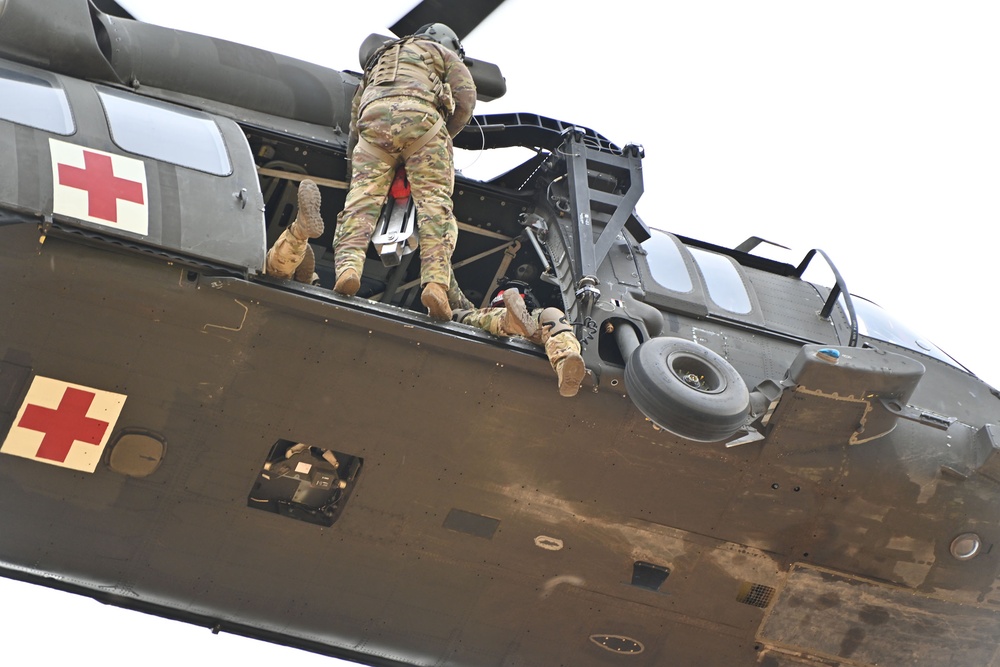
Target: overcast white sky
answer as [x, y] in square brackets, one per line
[867, 128]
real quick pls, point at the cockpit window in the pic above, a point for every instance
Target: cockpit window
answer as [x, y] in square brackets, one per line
[165, 132]
[666, 263]
[35, 102]
[725, 286]
[876, 323]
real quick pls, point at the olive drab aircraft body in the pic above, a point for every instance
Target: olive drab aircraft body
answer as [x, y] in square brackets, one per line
[758, 470]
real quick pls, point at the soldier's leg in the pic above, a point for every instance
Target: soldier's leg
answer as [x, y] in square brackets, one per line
[517, 321]
[370, 180]
[511, 320]
[562, 348]
[432, 177]
[487, 319]
[347, 276]
[288, 251]
[563, 351]
[306, 273]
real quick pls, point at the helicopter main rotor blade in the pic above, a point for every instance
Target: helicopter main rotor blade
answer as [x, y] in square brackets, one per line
[462, 16]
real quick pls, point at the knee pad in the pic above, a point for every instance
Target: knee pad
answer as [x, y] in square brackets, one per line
[553, 321]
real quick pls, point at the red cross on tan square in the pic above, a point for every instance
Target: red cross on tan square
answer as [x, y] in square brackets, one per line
[99, 187]
[104, 189]
[63, 424]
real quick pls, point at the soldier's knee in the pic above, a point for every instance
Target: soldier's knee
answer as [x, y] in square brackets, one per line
[554, 321]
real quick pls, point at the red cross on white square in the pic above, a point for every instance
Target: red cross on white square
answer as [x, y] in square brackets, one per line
[63, 424]
[99, 187]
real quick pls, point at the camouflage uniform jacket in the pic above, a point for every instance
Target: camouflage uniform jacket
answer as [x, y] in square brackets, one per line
[422, 68]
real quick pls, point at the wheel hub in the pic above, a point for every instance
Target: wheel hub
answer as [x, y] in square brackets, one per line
[693, 380]
[695, 373]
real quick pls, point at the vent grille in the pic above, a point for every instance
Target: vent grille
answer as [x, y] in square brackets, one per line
[471, 523]
[755, 595]
[648, 575]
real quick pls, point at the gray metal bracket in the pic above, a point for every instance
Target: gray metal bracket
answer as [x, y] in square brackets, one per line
[601, 183]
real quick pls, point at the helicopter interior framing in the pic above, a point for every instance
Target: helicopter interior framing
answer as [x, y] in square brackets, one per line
[759, 470]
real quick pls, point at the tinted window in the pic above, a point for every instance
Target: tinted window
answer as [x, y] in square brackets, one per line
[33, 101]
[164, 132]
[725, 286]
[666, 263]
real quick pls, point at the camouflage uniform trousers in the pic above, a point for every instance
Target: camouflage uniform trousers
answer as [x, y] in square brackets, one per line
[554, 333]
[291, 256]
[393, 123]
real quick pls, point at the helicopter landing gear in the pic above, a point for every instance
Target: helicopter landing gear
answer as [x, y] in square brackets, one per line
[687, 389]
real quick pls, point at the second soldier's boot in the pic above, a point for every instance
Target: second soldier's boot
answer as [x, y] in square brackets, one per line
[435, 298]
[517, 321]
[563, 351]
[348, 282]
[306, 271]
[289, 250]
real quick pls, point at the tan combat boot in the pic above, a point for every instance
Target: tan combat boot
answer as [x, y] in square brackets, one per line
[348, 283]
[306, 272]
[288, 251]
[517, 321]
[563, 351]
[435, 298]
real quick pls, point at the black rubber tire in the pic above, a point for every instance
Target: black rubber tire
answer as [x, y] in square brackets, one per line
[711, 406]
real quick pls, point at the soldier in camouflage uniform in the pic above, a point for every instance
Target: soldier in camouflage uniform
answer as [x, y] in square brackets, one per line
[291, 256]
[415, 96]
[542, 326]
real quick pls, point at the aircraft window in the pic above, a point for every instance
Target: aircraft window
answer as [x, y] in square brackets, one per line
[165, 132]
[666, 262]
[33, 101]
[725, 286]
[876, 323]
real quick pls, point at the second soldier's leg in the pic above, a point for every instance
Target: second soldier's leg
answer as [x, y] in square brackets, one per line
[286, 254]
[517, 321]
[306, 272]
[511, 320]
[563, 350]
[487, 319]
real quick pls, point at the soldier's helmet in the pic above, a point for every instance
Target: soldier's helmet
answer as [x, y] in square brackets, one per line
[444, 35]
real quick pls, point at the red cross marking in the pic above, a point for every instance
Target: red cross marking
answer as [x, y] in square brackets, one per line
[65, 425]
[104, 189]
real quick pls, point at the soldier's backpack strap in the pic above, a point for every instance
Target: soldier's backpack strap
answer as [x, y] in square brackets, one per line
[371, 149]
[403, 155]
[422, 141]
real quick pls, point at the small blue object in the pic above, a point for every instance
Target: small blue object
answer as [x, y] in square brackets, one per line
[828, 354]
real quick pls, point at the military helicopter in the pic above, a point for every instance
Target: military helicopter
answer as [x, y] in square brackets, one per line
[699, 608]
